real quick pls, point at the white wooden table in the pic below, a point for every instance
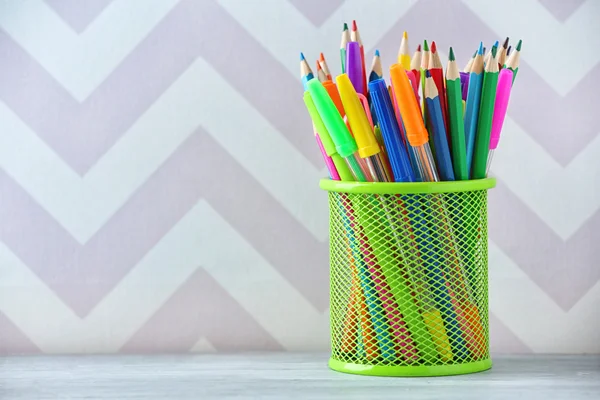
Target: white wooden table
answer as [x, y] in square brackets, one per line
[284, 376]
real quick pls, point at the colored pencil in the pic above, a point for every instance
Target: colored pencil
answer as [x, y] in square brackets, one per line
[513, 61]
[355, 37]
[404, 52]
[486, 112]
[470, 63]
[324, 66]
[345, 40]
[437, 73]
[320, 73]
[455, 119]
[376, 68]
[438, 129]
[306, 73]
[502, 53]
[415, 65]
[473, 100]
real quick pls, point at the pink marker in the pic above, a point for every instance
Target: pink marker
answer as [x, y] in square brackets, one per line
[500, 106]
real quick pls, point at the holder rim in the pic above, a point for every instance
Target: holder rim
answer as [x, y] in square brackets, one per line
[407, 371]
[406, 187]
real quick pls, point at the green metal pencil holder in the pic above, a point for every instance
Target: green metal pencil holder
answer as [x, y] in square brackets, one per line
[409, 277]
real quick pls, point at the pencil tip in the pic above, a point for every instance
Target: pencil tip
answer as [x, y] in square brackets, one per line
[425, 46]
[433, 47]
[319, 66]
[505, 44]
[345, 27]
[354, 28]
[376, 53]
[321, 57]
[404, 35]
[451, 56]
[419, 48]
[427, 73]
[480, 50]
[519, 45]
[495, 44]
[302, 56]
[508, 50]
[494, 50]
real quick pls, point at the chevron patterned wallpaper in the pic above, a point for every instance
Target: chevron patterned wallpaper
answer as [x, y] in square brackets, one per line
[159, 177]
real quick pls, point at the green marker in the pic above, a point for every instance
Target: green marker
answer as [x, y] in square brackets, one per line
[340, 165]
[332, 120]
[486, 111]
[456, 121]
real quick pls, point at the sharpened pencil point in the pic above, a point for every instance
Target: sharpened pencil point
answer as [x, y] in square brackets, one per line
[405, 35]
[480, 50]
[433, 47]
[321, 57]
[376, 53]
[354, 28]
[496, 44]
[302, 56]
[428, 73]
[425, 46]
[519, 45]
[345, 27]
[419, 48]
[494, 50]
[508, 51]
[505, 44]
[451, 56]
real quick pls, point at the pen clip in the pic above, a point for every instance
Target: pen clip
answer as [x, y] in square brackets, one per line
[366, 107]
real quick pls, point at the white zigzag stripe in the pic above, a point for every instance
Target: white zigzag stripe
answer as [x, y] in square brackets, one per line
[531, 315]
[278, 24]
[203, 346]
[564, 198]
[543, 36]
[81, 62]
[195, 241]
[83, 205]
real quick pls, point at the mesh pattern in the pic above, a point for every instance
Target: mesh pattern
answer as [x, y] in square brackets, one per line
[409, 278]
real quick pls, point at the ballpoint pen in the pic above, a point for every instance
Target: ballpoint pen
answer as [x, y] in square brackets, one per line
[390, 130]
[416, 133]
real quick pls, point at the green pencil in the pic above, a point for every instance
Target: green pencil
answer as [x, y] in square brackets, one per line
[455, 119]
[513, 60]
[345, 40]
[486, 111]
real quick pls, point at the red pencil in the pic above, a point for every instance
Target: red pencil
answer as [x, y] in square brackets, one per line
[355, 37]
[415, 65]
[437, 73]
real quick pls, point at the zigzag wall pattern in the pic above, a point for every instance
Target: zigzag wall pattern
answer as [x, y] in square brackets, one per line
[129, 197]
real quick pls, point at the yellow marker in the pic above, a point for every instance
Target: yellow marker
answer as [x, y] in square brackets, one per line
[368, 148]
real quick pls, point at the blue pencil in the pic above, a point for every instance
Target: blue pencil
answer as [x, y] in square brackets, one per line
[436, 118]
[473, 100]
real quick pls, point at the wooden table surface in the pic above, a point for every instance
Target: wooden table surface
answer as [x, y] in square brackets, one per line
[284, 376]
